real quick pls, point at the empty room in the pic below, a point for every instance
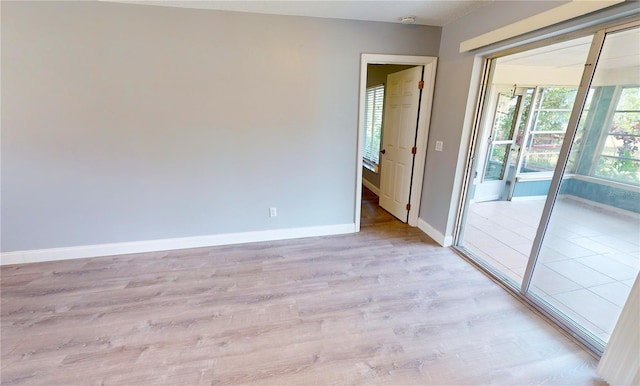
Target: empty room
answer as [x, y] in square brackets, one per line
[320, 192]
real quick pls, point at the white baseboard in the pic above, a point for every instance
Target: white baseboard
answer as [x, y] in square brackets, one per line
[371, 187]
[445, 241]
[79, 252]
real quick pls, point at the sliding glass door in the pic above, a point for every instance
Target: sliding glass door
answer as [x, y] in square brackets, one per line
[552, 204]
[526, 116]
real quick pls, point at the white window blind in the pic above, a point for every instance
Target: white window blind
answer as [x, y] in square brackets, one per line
[373, 126]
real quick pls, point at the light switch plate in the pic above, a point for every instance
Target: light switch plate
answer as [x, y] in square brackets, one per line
[438, 145]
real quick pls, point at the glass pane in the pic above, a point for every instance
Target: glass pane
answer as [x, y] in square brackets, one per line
[552, 121]
[493, 171]
[503, 214]
[522, 124]
[579, 140]
[589, 257]
[546, 130]
[621, 144]
[504, 117]
[629, 99]
[560, 98]
[620, 153]
[543, 152]
[502, 131]
[374, 103]
[620, 170]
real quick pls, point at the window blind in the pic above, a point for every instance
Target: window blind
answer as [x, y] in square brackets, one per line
[373, 125]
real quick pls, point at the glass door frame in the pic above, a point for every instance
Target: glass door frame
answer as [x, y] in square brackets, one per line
[492, 142]
[597, 43]
[496, 185]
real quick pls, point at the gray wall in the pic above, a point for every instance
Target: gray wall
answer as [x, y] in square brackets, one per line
[455, 101]
[376, 75]
[126, 122]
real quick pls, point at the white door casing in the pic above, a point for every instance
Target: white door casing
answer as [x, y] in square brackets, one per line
[402, 101]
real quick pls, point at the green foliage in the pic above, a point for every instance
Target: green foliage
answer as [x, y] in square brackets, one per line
[558, 98]
[551, 115]
[620, 158]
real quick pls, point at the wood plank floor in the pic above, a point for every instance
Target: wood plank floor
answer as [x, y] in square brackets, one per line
[385, 306]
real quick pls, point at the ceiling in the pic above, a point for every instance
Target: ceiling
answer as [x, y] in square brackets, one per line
[620, 51]
[426, 12]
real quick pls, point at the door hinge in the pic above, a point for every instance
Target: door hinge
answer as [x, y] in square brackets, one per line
[408, 206]
[414, 150]
[421, 85]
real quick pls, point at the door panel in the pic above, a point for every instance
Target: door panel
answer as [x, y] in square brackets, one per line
[592, 240]
[399, 184]
[399, 131]
[408, 123]
[386, 188]
[500, 233]
[497, 160]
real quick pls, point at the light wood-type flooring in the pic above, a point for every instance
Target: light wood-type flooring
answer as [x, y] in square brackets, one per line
[384, 306]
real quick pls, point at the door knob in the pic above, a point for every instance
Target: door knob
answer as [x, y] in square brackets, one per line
[383, 151]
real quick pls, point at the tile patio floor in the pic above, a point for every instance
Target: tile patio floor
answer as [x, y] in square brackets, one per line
[589, 259]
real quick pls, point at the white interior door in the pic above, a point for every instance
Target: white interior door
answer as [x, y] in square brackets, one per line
[398, 139]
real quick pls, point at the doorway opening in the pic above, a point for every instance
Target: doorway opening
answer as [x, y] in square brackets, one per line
[389, 78]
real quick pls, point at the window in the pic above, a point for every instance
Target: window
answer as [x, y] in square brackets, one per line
[550, 119]
[620, 157]
[373, 127]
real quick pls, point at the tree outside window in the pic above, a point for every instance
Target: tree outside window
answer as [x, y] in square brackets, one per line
[620, 156]
[550, 119]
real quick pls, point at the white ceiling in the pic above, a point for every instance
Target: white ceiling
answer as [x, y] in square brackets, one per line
[563, 63]
[426, 12]
[620, 51]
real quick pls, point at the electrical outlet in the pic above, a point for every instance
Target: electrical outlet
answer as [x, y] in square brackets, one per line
[273, 212]
[438, 145]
